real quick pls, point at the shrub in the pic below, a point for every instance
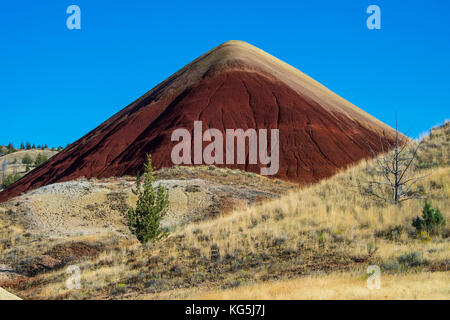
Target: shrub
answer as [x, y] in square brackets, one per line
[27, 160]
[151, 207]
[423, 236]
[392, 266]
[9, 180]
[432, 220]
[411, 259]
[403, 262]
[40, 159]
[393, 233]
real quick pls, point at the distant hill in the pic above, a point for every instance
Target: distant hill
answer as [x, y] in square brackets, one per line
[12, 162]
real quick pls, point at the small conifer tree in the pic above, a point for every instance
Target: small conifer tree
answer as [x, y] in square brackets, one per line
[432, 220]
[151, 207]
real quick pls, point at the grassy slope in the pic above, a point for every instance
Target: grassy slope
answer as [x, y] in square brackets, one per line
[14, 160]
[322, 236]
[346, 213]
[435, 151]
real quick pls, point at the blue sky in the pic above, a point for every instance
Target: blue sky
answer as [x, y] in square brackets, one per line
[57, 84]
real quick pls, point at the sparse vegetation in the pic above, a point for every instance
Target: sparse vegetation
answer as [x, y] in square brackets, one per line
[435, 150]
[151, 207]
[410, 259]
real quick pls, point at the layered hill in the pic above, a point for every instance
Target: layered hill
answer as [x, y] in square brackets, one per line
[235, 85]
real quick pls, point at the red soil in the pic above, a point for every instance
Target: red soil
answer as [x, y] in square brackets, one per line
[315, 140]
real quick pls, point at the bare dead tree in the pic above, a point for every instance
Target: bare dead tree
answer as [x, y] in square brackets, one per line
[396, 169]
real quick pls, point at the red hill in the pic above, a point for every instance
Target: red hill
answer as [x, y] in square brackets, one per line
[235, 85]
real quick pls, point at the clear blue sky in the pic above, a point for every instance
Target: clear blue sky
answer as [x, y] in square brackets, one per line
[57, 84]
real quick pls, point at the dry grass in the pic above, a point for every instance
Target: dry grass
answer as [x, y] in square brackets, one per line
[333, 209]
[435, 151]
[341, 286]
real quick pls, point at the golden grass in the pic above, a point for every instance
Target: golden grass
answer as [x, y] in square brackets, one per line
[321, 213]
[340, 287]
[435, 150]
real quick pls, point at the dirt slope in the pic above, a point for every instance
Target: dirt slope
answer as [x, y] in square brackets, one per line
[232, 86]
